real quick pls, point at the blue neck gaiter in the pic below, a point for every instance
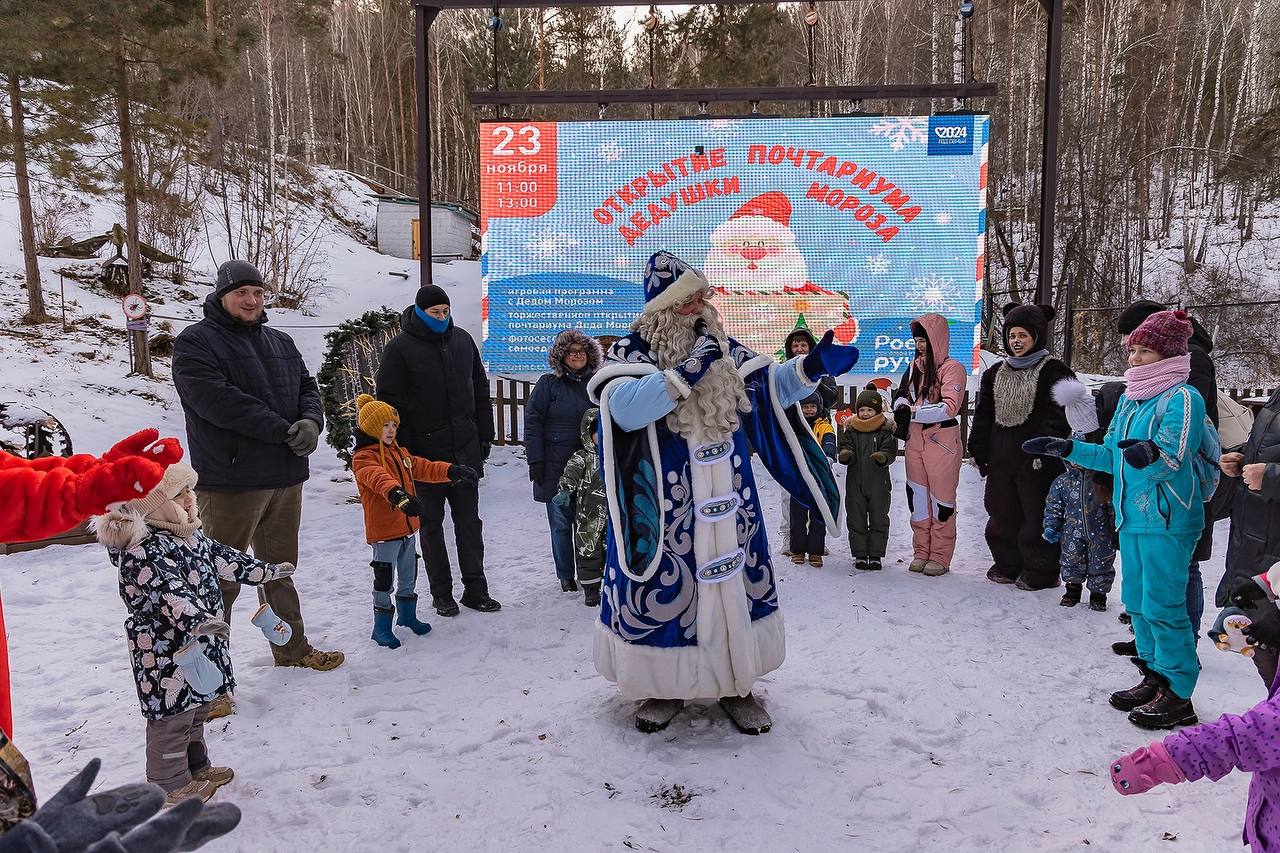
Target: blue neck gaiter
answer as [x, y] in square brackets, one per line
[437, 326]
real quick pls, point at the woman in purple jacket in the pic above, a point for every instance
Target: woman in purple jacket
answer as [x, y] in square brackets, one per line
[1248, 742]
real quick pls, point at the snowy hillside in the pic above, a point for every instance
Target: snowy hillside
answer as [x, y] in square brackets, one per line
[911, 714]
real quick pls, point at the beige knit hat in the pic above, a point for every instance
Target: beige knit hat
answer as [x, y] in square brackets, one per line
[177, 478]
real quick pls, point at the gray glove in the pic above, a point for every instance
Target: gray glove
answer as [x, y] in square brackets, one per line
[284, 570]
[213, 628]
[304, 435]
[71, 821]
[186, 826]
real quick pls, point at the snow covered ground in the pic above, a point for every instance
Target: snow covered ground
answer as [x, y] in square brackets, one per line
[911, 714]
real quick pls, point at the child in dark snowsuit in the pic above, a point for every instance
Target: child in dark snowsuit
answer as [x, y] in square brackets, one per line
[385, 474]
[1076, 517]
[808, 530]
[867, 447]
[582, 484]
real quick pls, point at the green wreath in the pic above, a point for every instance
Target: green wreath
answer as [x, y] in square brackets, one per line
[351, 360]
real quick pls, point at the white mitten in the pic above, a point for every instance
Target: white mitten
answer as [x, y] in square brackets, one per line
[199, 672]
[277, 630]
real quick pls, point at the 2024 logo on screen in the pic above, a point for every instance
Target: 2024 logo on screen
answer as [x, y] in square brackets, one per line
[950, 135]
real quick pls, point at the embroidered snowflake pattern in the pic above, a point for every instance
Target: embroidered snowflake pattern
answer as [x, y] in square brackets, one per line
[901, 131]
[933, 292]
[610, 152]
[878, 264]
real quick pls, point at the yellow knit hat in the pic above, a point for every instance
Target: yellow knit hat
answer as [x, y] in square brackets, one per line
[372, 415]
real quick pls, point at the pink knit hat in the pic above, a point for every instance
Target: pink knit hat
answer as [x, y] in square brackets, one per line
[1166, 332]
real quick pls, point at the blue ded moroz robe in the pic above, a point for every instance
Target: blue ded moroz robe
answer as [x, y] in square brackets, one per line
[689, 603]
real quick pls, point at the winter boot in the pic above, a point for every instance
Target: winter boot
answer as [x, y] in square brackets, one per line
[1141, 693]
[1127, 649]
[798, 559]
[861, 564]
[382, 634]
[917, 565]
[445, 606]
[407, 615]
[222, 707]
[746, 714]
[481, 602]
[1098, 601]
[815, 560]
[654, 715]
[1167, 711]
[568, 585]
[195, 788]
[1125, 618]
[993, 575]
[215, 776]
[1027, 586]
[1072, 596]
[934, 570]
[874, 564]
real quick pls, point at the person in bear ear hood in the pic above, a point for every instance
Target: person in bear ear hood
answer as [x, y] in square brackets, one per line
[1015, 403]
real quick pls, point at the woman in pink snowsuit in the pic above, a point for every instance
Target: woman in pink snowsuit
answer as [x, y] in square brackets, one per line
[926, 404]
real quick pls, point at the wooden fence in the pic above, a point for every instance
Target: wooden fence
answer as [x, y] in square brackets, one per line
[511, 395]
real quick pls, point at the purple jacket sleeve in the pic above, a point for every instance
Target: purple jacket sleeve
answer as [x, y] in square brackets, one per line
[1249, 742]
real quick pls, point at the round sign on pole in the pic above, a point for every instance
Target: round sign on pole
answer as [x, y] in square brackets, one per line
[135, 306]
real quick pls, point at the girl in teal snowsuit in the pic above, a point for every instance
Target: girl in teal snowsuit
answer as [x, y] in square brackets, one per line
[1159, 512]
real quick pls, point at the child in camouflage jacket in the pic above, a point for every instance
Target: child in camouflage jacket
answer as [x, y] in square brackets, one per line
[583, 483]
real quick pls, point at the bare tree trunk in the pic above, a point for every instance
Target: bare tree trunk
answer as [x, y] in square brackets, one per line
[129, 178]
[215, 96]
[27, 222]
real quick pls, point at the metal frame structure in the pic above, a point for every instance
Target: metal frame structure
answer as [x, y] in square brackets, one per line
[426, 12]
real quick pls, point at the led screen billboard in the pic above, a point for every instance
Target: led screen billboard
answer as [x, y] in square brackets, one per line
[856, 224]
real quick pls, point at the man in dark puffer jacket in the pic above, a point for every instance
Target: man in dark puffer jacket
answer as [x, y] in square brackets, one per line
[253, 416]
[432, 374]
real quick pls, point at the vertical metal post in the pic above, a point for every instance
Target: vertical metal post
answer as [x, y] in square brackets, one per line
[1049, 154]
[1069, 322]
[424, 15]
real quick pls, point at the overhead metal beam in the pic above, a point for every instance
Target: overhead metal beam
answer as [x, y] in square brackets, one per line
[544, 4]
[738, 93]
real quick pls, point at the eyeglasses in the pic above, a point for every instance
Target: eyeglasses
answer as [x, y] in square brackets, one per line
[576, 351]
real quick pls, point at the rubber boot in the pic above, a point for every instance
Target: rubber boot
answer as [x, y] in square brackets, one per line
[382, 634]
[407, 614]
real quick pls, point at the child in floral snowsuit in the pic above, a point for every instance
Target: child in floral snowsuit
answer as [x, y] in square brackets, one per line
[177, 640]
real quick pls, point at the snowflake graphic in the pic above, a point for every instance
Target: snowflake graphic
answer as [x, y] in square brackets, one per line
[943, 219]
[550, 244]
[878, 265]
[611, 151]
[934, 292]
[901, 131]
[621, 261]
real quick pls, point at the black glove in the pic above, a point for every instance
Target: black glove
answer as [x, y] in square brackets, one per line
[902, 420]
[1248, 595]
[1265, 632]
[186, 826]
[405, 502]
[1139, 452]
[459, 474]
[304, 435]
[1047, 445]
[485, 447]
[537, 471]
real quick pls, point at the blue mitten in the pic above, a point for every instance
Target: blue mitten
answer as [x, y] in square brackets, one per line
[1139, 452]
[1052, 536]
[829, 358]
[200, 672]
[706, 349]
[561, 499]
[1047, 445]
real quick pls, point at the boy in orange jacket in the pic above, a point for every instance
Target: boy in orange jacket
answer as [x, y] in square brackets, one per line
[385, 473]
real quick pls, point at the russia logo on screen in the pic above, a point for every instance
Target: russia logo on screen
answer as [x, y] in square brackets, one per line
[950, 135]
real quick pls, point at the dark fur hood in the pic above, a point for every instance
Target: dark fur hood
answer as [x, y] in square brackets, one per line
[566, 339]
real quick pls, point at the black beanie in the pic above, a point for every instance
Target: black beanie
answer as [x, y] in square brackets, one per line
[235, 274]
[430, 295]
[1034, 318]
[1132, 317]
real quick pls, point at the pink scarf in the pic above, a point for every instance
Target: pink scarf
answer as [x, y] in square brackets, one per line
[1153, 379]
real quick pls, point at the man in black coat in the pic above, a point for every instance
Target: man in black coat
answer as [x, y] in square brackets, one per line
[1204, 378]
[253, 416]
[1254, 544]
[431, 372]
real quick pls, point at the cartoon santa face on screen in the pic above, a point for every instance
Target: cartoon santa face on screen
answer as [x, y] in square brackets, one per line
[755, 249]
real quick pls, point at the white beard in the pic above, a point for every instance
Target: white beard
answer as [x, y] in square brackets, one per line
[712, 412]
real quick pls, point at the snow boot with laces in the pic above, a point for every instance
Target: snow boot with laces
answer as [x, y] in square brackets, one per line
[195, 788]
[1141, 693]
[1167, 711]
